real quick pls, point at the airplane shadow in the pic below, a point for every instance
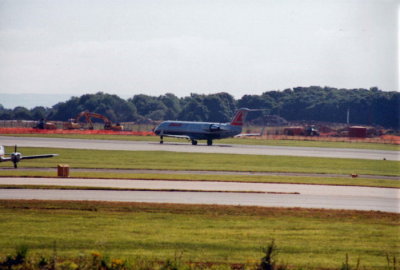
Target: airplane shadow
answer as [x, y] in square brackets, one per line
[8, 168]
[199, 145]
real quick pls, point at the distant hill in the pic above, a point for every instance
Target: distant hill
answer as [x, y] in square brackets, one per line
[30, 101]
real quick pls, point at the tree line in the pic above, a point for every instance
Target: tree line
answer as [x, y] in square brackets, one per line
[366, 106]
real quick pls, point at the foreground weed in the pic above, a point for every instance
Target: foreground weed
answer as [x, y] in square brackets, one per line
[268, 262]
[43, 263]
[97, 261]
[169, 265]
[391, 262]
[18, 260]
[143, 264]
[67, 265]
[346, 265]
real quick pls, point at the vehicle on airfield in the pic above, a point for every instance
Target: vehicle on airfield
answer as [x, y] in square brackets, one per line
[16, 157]
[73, 123]
[43, 124]
[209, 131]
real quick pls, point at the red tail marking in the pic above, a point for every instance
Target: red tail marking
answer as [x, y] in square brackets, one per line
[238, 119]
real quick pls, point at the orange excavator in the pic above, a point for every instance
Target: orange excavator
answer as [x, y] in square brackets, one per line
[73, 123]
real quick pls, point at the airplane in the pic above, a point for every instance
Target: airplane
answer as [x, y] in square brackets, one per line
[16, 157]
[209, 131]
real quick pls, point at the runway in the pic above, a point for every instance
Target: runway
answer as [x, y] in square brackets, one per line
[201, 192]
[201, 148]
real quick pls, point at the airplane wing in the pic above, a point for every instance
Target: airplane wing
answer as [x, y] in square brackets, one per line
[251, 134]
[5, 159]
[178, 136]
[248, 135]
[39, 156]
[217, 128]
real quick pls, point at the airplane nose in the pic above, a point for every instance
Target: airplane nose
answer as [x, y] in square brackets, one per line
[15, 157]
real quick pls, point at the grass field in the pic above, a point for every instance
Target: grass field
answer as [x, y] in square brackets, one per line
[77, 158]
[307, 239]
[248, 141]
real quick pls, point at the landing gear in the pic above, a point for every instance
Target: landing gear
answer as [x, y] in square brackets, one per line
[209, 142]
[161, 139]
[194, 142]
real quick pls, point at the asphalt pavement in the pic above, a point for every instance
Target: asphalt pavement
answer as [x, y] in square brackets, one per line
[207, 192]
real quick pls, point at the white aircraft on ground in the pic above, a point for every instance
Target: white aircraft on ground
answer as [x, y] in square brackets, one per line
[16, 157]
[209, 131]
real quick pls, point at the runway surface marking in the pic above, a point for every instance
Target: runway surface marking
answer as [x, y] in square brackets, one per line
[185, 147]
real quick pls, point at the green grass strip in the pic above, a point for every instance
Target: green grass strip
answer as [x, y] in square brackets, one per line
[78, 158]
[307, 239]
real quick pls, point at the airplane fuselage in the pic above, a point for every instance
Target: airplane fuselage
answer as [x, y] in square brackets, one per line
[197, 130]
[209, 131]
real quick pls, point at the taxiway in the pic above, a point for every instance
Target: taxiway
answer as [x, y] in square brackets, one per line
[208, 192]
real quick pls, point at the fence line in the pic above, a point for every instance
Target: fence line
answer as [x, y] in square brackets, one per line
[75, 131]
[385, 139]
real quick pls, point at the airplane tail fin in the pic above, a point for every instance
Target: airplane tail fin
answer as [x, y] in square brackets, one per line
[240, 117]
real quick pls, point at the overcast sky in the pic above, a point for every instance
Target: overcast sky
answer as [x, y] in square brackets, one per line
[196, 46]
